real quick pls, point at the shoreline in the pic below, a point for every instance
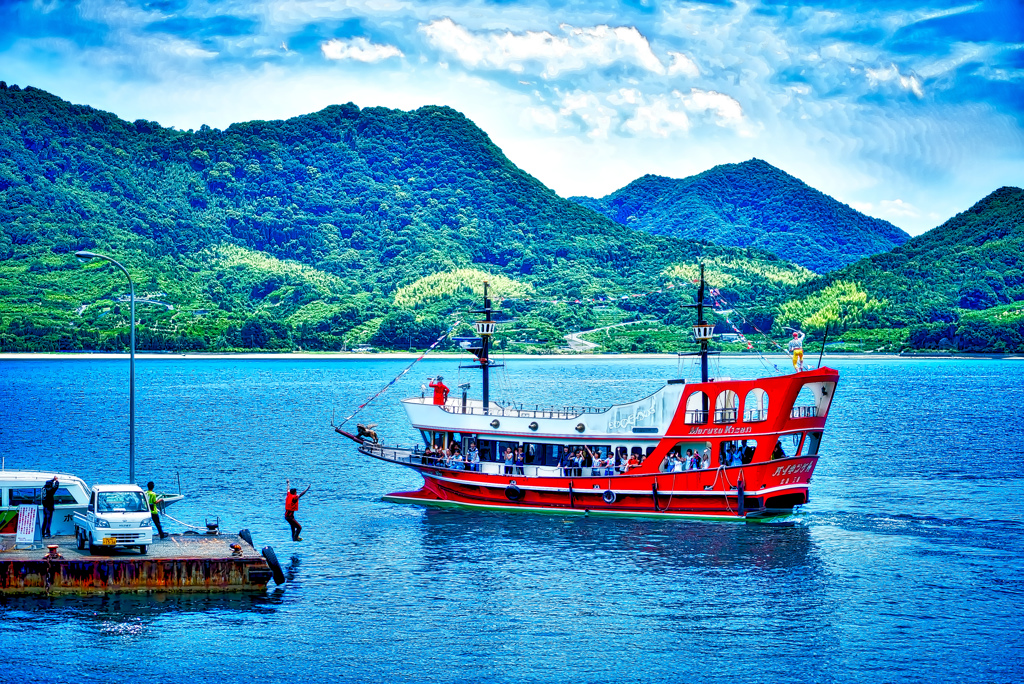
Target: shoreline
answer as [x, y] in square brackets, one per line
[398, 356]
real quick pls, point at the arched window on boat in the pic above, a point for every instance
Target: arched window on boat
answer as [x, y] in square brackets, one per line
[811, 444]
[803, 444]
[726, 407]
[697, 409]
[755, 406]
[814, 400]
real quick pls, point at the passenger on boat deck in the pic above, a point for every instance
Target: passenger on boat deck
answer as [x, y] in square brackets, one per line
[440, 390]
[633, 461]
[678, 466]
[520, 462]
[508, 460]
[705, 459]
[796, 347]
[588, 459]
[608, 463]
[565, 462]
[474, 456]
[778, 452]
[688, 460]
[694, 463]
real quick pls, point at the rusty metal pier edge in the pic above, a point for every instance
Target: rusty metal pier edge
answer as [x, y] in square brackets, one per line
[132, 574]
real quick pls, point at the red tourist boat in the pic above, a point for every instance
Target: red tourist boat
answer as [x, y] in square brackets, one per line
[718, 449]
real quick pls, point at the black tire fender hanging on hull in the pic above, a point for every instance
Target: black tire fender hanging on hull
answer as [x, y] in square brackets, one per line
[275, 567]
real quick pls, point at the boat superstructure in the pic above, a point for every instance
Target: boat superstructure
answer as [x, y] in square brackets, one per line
[719, 448]
[20, 487]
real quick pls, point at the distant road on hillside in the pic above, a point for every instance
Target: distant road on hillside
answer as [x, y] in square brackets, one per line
[576, 343]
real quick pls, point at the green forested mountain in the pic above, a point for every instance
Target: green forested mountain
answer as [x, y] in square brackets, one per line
[958, 285]
[752, 204]
[316, 232]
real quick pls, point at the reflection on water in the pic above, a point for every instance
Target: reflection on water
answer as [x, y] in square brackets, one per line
[905, 549]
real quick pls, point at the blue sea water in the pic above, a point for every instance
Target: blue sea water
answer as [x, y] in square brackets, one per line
[906, 566]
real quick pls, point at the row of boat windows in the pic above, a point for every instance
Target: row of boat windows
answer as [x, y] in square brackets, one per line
[457, 447]
[17, 496]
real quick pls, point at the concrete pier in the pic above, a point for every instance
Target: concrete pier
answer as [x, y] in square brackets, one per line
[179, 563]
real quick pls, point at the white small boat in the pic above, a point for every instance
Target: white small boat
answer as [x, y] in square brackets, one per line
[19, 487]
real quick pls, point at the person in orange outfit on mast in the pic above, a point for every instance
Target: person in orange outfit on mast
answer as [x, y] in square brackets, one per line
[440, 390]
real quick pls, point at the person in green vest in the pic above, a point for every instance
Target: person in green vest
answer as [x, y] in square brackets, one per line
[154, 501]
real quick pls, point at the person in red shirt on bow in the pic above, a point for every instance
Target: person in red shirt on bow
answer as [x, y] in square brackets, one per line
[440, 390]
[291, 507]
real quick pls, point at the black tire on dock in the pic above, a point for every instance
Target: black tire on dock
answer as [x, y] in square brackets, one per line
[92, 547]
[244, 534]
[275, 567]
[143, 549]
[79, 539]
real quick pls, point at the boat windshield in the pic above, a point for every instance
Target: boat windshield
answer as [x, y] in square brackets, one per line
[34, 495]
[121, 502]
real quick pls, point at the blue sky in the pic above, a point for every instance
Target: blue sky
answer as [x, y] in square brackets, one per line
[908, 111]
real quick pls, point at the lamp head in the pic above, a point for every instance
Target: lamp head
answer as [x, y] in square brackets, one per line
[84, 256]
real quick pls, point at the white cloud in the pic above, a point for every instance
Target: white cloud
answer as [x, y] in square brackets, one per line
[891, 74]
[548, 54]
[660, 118]
[596, 118]
[358, 49]
[726, 110]
[898, 208]
[539, 118]
[682, 65]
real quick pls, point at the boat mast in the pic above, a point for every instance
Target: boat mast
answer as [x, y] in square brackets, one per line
[702, 330]
[485, 329]
[485, 360]
[701, 322]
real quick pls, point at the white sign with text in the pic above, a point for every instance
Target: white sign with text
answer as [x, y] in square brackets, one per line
[26, 524]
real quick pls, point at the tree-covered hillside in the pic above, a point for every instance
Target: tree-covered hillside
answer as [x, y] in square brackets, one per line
[752, 204]
[957, 286]
[316, 232]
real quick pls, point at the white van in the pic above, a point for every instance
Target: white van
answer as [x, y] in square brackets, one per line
[117, 516]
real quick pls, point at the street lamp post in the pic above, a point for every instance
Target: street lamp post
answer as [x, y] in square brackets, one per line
[84, 257]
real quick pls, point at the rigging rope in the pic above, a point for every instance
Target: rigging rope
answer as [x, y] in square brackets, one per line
[406, 370]
[192, 527]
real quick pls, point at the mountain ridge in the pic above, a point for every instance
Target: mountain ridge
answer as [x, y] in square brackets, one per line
[376, 197]
[751, 204]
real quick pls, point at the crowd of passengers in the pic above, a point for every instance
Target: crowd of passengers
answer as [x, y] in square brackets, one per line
[580, 460]
[730, 454]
